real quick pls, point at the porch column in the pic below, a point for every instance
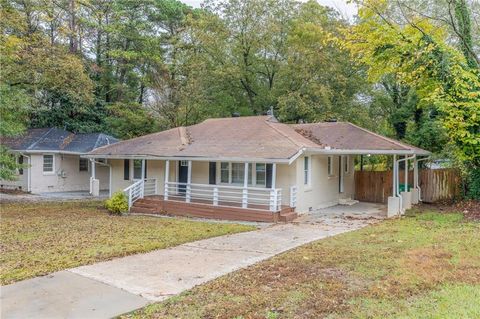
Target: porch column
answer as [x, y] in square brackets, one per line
[245, 186]
[274, 174]
[394, 183]
[165, 186]
[273, 191]
[394, 201]
[189, 181]
[415, 190]
[406, 173]
[94, 183]
[143, 169]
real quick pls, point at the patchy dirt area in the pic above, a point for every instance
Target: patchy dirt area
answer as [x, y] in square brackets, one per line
[469, 208]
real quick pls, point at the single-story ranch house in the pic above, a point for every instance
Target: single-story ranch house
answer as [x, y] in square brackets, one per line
[248, 168]
[53, 162]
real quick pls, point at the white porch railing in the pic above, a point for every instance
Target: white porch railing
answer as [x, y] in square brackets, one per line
[293, 196]
[139, 189]
[223, 195]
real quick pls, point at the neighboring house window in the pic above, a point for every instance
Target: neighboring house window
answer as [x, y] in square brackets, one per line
[346, 164]
[137, 169]
[20, 162]
[330, 166]
[306, 172]
[83, 165]
[261, 173]
[224, 172]
[126, 170]
[238, 173]
[48, 163]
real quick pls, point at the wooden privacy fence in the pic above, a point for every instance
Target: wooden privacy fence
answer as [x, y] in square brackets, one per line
[437, 184]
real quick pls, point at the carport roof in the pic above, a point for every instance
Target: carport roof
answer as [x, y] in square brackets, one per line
[57, 140]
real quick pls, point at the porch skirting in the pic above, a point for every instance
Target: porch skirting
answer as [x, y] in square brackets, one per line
[156, 205]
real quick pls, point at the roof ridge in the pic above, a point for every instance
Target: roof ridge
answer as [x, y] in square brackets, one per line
[40, 138]
[283, 134]
[381, 136]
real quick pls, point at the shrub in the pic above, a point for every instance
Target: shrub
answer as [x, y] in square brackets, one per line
[473, 184]
[117, 204]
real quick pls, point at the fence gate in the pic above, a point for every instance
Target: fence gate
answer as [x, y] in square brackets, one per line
[436, 184]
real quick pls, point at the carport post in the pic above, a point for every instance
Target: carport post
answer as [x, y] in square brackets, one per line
[406, 173]
[415, 173]
[394, 173]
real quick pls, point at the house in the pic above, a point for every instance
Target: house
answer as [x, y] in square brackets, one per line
[53, 160]
[247, 168]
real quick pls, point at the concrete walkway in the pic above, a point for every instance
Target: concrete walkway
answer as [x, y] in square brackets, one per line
[110, 288]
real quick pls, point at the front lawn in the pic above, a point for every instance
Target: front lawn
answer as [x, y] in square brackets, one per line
[40, 238]
[425, 265]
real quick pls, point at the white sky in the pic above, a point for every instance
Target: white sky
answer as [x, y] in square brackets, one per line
[347, 10]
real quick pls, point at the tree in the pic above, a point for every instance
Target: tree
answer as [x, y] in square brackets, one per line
[441, 76]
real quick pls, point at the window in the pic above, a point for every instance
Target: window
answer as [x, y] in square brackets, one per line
[306, 173]
[261, 173]
[238, 173]
[48, 163]
[345, 164]
[20, 162]
[330, 166]
[83, 165]
[224, 172]
[137, 169]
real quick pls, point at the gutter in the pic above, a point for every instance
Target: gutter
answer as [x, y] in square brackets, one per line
[191, 158]
[364, 152]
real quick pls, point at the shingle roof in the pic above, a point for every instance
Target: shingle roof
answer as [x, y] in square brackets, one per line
[57, 140]
[251, 137]
[347, 136]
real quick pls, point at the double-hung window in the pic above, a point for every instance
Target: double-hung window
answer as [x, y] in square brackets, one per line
[20, 162]
[261, 174]
[137, 169]
[330, 166]
[238, 173]
[83, 165]
[306, 171]
[48, 164]
[225, 172]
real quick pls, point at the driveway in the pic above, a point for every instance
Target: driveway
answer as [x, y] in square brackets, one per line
[113, 287]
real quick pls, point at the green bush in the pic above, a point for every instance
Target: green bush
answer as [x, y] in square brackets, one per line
[473, 184]
[118, 203]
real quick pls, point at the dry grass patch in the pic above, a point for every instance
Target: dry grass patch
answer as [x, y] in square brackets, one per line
[407, 268]
[39, 238]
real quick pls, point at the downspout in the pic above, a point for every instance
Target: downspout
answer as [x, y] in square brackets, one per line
[418, 184]
[29, 172]
[398, 177]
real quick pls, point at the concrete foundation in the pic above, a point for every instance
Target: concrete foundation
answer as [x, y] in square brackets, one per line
[406, 200]
[95, 187]
[415, 195]
[393, 206]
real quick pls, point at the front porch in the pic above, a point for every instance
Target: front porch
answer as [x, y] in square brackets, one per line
[250, 194]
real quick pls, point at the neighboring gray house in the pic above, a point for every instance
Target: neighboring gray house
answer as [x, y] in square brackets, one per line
[53, 160]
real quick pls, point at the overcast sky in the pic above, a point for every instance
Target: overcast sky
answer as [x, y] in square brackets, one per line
[347, 10]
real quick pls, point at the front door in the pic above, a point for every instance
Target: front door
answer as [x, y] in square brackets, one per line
[340, 174]
[182, 175]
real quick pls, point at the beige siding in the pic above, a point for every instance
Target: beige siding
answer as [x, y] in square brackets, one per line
[66, 175]
[323, 190]
[20, 181]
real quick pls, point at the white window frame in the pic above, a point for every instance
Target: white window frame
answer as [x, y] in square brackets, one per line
[52, 172]
[307, 170]
[88, 164]
[252, 174]
[133, 169]
[242, 176]
[346, 164]
[330, 166]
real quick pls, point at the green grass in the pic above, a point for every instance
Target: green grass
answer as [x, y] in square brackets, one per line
[425, 265]
[40, 238]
